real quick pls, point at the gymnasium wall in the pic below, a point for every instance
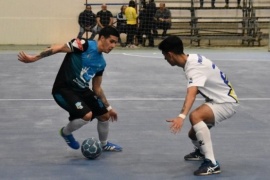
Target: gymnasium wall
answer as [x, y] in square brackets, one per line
[31, 22]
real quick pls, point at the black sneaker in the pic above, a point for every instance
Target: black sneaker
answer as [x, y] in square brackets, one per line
[208, 168]
[194, 156]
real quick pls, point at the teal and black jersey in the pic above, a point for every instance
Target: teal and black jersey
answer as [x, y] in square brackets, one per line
[80, 66]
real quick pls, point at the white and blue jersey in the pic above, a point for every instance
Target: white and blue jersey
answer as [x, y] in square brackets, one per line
[80, 66]
[212, 83]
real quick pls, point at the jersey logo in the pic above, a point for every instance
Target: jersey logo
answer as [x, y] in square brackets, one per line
[79, 44]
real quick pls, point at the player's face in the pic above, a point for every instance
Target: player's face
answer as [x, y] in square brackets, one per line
[109, 43]
[168, 56]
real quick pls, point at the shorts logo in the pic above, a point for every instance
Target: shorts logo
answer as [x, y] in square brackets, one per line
[79, 105]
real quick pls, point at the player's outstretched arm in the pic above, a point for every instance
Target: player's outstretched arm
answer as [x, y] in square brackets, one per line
[26, 58]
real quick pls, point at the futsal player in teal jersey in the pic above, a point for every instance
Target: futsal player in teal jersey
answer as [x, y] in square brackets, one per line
[84, 63]
[205, 78]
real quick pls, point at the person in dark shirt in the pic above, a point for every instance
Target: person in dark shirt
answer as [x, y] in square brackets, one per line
[121, 23]
[163, 18]
[104, 18]
[87, 20]
[83, 63]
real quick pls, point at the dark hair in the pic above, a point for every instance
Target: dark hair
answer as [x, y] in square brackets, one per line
[107, 31]
[132, 3]
[172, 44]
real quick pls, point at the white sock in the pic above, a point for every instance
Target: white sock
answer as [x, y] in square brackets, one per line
[103, 131]
[204, 139]
[74, 125]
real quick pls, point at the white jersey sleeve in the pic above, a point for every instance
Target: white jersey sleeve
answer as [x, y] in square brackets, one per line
[211, 82]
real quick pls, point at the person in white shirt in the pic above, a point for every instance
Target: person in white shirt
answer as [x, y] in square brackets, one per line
[205, 78]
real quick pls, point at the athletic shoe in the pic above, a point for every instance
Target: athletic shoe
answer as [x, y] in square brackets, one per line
[71, 142]
[208, 168]
[194, 156]
[111, 147]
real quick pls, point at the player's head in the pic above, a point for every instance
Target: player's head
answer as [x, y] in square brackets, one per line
[108, 37]
[171, 48]
[108, 31]
[172, 44]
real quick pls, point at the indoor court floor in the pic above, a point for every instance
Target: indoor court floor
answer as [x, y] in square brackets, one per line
[145, 90]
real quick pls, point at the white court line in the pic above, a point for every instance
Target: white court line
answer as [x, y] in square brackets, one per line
[143, 99]
[161, 57]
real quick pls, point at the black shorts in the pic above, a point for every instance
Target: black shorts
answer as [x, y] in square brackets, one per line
[78, 104]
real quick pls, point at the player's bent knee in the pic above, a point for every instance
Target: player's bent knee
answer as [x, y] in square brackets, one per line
[88, 116]
[104, 117]
[194, 118]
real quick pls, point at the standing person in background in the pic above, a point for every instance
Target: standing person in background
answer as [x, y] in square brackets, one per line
[238, 3]
[121, 23]
[104, 18]
[83, 63]
[87, 20]
[131, 16]
[163, 18]
[212, 3]
[205, 78]
[151, 11]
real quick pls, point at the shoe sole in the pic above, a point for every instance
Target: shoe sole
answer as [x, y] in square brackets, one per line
[194, 159]
[206, 174]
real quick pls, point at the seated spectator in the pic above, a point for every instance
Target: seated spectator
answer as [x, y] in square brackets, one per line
[121, 23]
[87, 20]
[104, 18]
[163, 18]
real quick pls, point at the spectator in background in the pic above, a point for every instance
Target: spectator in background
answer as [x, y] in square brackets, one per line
[131, 16]
[238, 3]
[104, 18]
[212, 3]
[151, 11]
[87, 20]
[144, 29]
[121, 23]
[163, 18]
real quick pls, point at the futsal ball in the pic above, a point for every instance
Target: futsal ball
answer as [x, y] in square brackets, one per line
[91, 148]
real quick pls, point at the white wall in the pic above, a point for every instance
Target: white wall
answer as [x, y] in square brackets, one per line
[55, 21]
[43, 21]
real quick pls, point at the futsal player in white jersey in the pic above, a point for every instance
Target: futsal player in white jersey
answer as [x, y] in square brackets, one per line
[205, 78]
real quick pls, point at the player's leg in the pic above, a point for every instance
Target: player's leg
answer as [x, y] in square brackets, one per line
[79, 112]
[196, 155]
[209, 114]
[101, 113]
[198, 118]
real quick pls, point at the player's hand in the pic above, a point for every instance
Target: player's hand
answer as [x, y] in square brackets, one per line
[176, 124]
[26, 58]
[113, 115]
